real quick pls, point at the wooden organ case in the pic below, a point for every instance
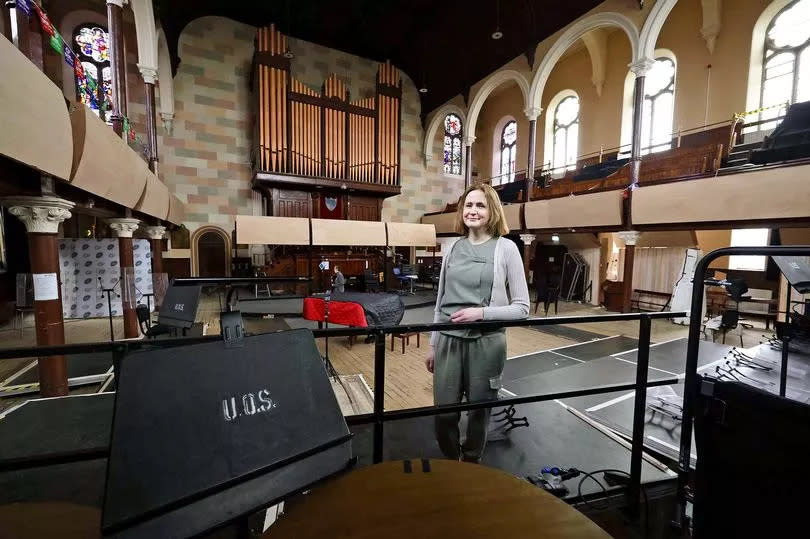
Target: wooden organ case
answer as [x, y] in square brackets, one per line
[318, 153]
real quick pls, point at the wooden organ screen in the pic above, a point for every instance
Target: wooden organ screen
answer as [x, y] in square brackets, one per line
[305, 132]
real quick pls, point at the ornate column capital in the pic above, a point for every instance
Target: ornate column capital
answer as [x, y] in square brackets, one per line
[532, 112]
[155, 232]
[468, 140]
[41, 215]
[123, 227]
[527, 239]
[168, 122]
[642, 66]
[630, 237]
[119, 3]
[148, 73]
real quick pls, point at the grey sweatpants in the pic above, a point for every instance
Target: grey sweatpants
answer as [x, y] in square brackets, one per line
[466, 368]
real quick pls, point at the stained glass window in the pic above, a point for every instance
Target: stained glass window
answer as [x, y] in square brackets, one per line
[91, 45]
[508, 152]
[659, 107]
[566, 133]
[452, 144]
[786, 65]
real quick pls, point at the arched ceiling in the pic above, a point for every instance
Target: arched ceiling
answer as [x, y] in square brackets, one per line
[447, 44]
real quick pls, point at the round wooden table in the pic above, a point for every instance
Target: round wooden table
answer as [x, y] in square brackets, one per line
[431, 498]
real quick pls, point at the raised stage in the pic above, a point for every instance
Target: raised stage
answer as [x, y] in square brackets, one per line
[72, 433]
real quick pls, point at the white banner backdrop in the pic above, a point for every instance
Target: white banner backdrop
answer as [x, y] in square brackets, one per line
[88, 265]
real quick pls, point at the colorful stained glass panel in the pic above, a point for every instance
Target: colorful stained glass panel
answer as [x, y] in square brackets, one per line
[452, 144]
[510, 134]
[452, 124]
[92, 43]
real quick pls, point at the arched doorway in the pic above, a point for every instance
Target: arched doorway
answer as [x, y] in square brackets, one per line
[211, 253]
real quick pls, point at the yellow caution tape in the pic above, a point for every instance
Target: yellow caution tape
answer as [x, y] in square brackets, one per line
[20, 388]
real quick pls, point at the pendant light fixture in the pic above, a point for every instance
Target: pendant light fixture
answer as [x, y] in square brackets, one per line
[288, 53]
[497, 34]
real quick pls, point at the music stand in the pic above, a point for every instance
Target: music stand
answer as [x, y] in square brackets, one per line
[796, 270]
[254, 421]
[179, 308]
[109, 292]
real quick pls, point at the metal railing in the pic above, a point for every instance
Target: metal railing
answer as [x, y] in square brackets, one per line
[693, 345]
[380, 416]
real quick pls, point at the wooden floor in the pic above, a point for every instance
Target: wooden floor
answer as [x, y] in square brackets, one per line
[408, 384]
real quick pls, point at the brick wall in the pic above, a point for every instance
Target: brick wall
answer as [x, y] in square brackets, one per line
[206, 161]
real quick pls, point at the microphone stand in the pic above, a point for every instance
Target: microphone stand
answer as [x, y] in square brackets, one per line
[108, 292]
[328, 297]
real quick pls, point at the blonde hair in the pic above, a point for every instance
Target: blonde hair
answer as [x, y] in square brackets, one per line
[497, 218]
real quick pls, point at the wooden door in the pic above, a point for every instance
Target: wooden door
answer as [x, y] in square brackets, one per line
[211, 252]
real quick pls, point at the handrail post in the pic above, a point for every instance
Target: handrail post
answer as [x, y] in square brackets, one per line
[692, 349]
[379, 394]
[785, 352]
[639, 412]
[119, 351]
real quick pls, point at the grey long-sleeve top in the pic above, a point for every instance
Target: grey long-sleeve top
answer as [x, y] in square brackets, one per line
[503, 305]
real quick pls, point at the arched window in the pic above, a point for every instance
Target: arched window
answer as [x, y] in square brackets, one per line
[508, 151]
[786, 61]
[452, 144]
[565, 133]
[659, 107]
[91, 45]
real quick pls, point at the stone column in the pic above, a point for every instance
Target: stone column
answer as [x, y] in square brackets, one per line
[18, 26]
[532, 114]
[118, 67]
[639, 69]
[149, 75]
[630, 238]
[122, 229]
[42, 216]
[527, 240]
[468, 142]
[159, 280]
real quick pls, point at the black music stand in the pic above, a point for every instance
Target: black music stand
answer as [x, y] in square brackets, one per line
[796, 270]
[207, 434]
[750, 449]
[179, 308]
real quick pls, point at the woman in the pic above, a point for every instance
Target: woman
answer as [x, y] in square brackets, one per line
[473, 286]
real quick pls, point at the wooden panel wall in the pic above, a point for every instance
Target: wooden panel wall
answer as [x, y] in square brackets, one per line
[364, 208]
[289, 203]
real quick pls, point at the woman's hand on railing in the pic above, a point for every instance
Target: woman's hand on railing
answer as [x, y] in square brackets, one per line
[470, 314]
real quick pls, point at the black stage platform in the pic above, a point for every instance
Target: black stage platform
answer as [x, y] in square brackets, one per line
[556, 436]
[662, 429]
[83, 370]
[52, 428]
